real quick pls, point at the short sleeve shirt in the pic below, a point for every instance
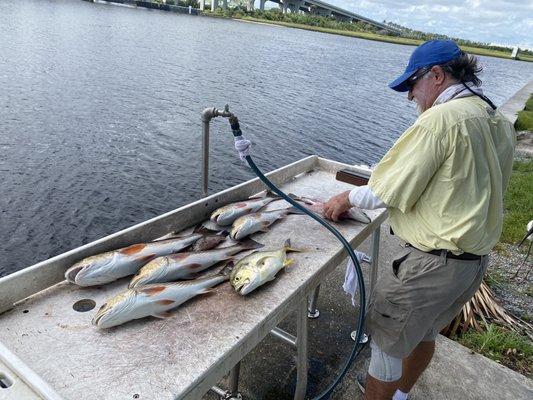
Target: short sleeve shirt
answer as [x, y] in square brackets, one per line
[444, 178]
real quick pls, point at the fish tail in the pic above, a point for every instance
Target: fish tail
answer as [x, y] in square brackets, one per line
[249, 244]
[288, 262]
[226, 269]
[203, 230]
[287, 247]
[263, 195]
[294, 210]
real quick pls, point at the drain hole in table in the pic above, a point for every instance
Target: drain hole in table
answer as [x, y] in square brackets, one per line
[84, 305]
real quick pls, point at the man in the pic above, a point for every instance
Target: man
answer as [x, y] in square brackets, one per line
[443, 183]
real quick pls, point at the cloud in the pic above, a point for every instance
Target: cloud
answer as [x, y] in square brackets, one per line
[496, 21]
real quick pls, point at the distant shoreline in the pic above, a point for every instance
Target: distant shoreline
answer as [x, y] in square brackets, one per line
[375, 37]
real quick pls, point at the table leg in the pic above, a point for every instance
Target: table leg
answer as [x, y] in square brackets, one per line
[234, 379]
[374, 266]
[301, 345]
[312, 312]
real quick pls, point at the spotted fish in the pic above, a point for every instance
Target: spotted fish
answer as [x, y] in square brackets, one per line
[157, 300]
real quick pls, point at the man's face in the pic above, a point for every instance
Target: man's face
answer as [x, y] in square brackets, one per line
[426, 88]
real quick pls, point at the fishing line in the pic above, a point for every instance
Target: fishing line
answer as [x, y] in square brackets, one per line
[242, 146]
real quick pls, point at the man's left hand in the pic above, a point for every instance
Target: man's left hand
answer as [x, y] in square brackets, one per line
[337, 205]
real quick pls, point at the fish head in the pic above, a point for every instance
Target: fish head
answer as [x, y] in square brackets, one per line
[245, 280]
[215, 214]
[90, 270]
[242, 226]
[225, 215]
[150, 272]
[116, 310]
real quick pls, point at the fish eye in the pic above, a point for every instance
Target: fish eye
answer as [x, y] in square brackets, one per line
[237, 278]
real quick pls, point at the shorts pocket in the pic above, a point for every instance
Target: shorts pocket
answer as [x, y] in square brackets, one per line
[396, 264]
[388, 319]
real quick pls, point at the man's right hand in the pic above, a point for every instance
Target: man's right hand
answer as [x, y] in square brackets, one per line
[337, 205]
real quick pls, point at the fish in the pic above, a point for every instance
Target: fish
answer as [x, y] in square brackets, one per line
[225, 215]
[259, 268]
[157, 300]
[112, 265]
[353, 213]
[251, 223]
[187, 265]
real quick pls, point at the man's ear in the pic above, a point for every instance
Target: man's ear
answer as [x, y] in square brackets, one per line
[439, 76]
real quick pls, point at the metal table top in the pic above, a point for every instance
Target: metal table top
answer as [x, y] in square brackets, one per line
[180, 357]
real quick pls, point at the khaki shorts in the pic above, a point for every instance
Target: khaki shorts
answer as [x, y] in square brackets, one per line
[418, 296]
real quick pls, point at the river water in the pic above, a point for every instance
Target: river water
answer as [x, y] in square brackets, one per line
[100, 112]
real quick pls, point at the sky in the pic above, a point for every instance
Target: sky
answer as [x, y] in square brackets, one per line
[504, 22]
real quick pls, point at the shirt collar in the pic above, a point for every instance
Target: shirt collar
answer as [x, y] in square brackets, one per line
[457, 91]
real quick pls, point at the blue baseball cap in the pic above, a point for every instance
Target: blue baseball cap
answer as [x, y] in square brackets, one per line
[433, 52]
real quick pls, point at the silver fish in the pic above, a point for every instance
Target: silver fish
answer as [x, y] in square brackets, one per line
[112, 265]
[258, 268]
[225, 215]
[186, 265]
[353, 213]
[156, 300]
[251, 223]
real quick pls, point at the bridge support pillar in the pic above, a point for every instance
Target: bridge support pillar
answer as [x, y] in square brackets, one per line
[262, 5]
[295, 6]
[250, 5]
[214, 5]
[202, 5]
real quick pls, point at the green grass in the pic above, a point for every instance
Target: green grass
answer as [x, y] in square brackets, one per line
[518, 202]
[525, 118]
[501, 345]
[494, 278]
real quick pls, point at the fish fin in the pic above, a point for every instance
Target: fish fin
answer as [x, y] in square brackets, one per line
[294, 210]
[133, 249]
[151, 290]
[251, 244]
[192, 266]
[287, 246]
[206, 291]
[288, 262]
[260, 195]
[204, 230]
[227, 267]
[165, 302]
[146, 259]
[163, 314]
[295, 197]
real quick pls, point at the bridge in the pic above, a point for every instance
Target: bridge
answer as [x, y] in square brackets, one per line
[316, 7]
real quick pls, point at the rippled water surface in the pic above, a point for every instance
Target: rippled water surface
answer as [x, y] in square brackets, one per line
[100, 112]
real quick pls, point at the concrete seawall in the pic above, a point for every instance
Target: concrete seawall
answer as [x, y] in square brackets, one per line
[517, 102]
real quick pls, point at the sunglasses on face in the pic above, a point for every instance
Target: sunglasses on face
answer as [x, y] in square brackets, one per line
[417, 76]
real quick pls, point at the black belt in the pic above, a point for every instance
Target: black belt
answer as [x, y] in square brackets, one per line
[449, 254]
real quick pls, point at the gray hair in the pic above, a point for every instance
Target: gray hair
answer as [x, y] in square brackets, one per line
[464, 68]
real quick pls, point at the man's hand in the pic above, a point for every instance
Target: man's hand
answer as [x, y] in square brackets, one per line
[337, 205]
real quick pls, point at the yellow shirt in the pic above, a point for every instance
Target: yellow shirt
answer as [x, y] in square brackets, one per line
[444, 178]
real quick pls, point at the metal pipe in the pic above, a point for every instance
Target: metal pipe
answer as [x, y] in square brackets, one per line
[221, 392]
[301, 360]
[312, 312]
[207, 115]
[284, 336]
[234, 379]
